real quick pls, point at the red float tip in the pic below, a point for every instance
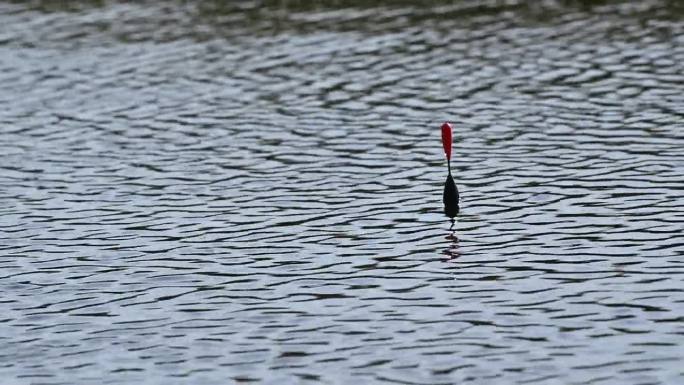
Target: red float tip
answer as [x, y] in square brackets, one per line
[446, 139]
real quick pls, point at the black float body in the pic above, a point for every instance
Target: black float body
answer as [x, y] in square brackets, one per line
[450, 197]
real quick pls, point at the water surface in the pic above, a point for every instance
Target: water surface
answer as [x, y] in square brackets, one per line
[211, 194]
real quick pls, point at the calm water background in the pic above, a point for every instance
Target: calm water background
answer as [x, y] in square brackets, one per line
[210, 194]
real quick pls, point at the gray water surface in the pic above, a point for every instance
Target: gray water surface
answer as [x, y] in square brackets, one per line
[208, 193]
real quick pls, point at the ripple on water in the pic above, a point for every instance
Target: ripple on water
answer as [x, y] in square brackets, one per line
[202, 192]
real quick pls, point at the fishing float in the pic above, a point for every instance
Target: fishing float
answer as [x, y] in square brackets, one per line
[450, 197]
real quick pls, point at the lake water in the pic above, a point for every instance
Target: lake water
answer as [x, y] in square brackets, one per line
[208, 193]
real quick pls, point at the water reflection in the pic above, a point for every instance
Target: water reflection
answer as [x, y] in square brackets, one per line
[452, 251]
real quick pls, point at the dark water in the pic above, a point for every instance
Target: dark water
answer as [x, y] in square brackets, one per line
[211, 194]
